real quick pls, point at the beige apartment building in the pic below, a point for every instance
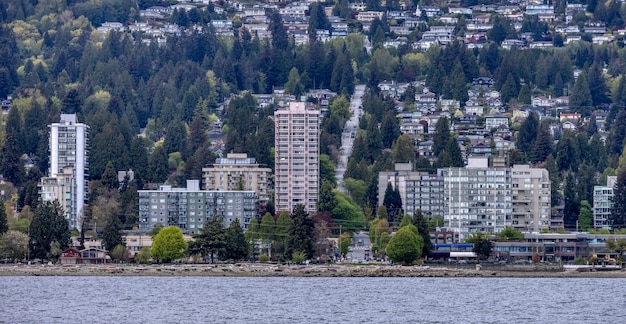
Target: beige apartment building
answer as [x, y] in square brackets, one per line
[530, 193]
[237, 171]
[296, 179]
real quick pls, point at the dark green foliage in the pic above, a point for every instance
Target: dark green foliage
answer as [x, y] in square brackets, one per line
[211, 240]
[301, 233]
[451, 156]
[236, 247]
[542, 146]
[157, 166]
[482, 245]
[175, 137]
[567, 153]
[502, 29]
[597, 85]
[615, 140]
[618, 211]
[509, 89]
[393, 202]
[109, 178]
[326, 201]
[580, 99]
[572, 203]
[48, 225]
[389, 129]
[442, 135]
[317, 19]
[4, 226]
[421, 223]
[555, 181]
[112, 235]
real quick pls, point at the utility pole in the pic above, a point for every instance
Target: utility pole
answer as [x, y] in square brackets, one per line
[340, 255]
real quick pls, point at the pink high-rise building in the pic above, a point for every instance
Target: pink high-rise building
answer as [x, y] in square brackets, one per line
[296, 179]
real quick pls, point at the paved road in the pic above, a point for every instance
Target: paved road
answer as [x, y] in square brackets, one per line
[360, 248]
[348, 135]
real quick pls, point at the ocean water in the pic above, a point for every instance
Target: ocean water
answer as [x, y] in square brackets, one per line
[310, 300]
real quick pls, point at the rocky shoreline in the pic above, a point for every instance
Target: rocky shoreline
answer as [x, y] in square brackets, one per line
[272, 270]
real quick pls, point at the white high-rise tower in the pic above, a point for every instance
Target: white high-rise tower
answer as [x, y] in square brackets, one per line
[67, 181]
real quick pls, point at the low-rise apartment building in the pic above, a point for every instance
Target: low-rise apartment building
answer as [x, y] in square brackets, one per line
[237, 171]
[189, 208]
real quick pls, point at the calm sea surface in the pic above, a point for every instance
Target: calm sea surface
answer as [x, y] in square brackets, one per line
[310, 300]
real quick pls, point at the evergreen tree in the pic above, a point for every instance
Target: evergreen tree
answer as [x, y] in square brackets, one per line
[524, 95]
[112, 235]
[393, 203]
[236, 247]
[326, 201]
[374, 140]
[421, 224]
[176, 137]
[580, 100]
[12, 168]
[389, 128]
[403, 150]
[618, 210]
[542, 146]
[280, 39]
[555, 181]
[157, 165]
[48, 225]
[4, 226]
[509, 89]
[454, 152]
[211, 240]
[301, 233]
[528, 133]
[572, 204]
[109, 178]
[441, 136]
[597, 85]
[502, 29]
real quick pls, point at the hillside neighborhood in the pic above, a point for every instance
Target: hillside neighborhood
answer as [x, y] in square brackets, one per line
[307, 131]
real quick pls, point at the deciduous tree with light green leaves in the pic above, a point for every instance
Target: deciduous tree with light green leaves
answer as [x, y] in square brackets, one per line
[13, 245]
[406, 245]
[169, 244]
[585, 216]
[510, 234]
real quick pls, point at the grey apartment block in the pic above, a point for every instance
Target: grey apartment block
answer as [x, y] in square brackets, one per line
[188, 208]
[477, 199]
[418, 190]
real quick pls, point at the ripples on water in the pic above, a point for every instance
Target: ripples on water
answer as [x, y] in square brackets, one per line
[310, 300]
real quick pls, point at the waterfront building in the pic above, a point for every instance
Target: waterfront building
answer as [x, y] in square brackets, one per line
[531, 196]
[67, 177]
[237, 171]
[296, 179]
[602, 203]
[477, 198]
[189, 208]
[418, 190]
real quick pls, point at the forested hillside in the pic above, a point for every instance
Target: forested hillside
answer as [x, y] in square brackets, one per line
[121, 84]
